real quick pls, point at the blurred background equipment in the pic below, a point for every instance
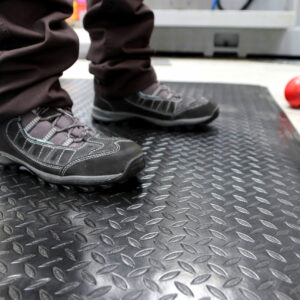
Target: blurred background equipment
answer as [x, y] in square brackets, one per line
[292, 92]
[245, 6]
[79, 10]
[262, 28]
[218, 27]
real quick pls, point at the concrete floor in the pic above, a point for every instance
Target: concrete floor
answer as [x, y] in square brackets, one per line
[273, 75]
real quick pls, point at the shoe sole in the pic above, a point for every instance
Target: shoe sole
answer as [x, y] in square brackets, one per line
[134, 166]
[108, 116]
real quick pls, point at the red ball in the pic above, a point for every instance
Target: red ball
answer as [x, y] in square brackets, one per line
[292, 92]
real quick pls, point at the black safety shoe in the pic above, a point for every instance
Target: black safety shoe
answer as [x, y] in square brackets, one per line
[54, 145]
[158, 105]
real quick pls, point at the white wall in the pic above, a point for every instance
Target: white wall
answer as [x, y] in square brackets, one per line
[206, 4]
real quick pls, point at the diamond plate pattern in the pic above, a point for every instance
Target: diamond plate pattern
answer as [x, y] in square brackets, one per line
[215, 214]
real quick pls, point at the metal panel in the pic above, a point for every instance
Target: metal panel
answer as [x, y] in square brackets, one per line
[215, 214]
[224, 19]
[251, 41]
[261, 14]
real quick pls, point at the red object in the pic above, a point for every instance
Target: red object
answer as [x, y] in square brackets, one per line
[292, 92]
[82, 7]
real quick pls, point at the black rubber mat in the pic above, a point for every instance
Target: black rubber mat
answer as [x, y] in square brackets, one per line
[215, 214]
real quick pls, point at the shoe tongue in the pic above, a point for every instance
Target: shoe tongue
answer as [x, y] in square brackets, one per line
[42, 128]
[27, 118]
[64, 121]
[151, 89]
[163, 94]
[43, 112]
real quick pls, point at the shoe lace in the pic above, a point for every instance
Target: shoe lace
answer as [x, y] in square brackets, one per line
[54, 117]
[163, 88]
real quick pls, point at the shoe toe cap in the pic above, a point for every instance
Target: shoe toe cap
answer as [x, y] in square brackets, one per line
[207, 109]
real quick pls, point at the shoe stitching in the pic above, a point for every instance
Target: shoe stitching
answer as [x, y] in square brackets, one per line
[178, 109]
[42, 148]
[16, 136]
[30, 149]
[74, 152]
[50, 134]
[67, 167]
[57, 161]
[23, 147]
[26, 153]
[95, 150]
[146, 108]
[46, 157]
[32, 124]
[68, 142]
[62, 169]
[27, 136]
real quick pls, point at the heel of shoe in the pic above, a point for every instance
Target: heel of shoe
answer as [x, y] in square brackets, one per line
[108, 116]
[5, 161]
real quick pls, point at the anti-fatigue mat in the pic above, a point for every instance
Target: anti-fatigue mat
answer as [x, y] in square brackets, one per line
[215, 214]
